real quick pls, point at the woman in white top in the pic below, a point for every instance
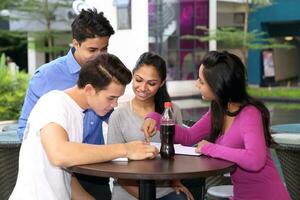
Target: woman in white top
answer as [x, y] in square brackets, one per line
[149, 87]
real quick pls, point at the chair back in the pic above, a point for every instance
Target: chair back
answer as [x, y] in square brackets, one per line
[288, 153]
[9, 162]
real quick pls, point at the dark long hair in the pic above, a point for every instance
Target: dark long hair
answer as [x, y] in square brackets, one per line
[159, 64]
[225, 73]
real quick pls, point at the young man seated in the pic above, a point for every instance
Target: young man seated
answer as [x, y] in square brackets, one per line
[54, 133]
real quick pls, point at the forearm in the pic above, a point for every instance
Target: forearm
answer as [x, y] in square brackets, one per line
[249, 159]
[190, 136]
[187, 136]
[72, 153]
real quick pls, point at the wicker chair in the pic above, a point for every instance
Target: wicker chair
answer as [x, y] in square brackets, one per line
[289, 158]
[9, 157]
[288, 153]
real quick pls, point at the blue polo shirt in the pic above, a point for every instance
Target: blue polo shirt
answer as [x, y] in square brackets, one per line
[60, 74]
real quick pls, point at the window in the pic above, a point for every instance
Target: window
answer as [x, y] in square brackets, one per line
[123, 13]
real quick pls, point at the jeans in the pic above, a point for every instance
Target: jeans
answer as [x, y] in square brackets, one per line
[174, 196]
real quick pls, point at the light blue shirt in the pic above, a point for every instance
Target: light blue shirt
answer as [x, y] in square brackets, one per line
[60, 74]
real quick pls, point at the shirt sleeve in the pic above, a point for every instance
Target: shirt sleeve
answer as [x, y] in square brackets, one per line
[253, 155]
[34, 92]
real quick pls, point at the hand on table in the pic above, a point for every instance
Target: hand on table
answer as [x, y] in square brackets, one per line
[138, 150]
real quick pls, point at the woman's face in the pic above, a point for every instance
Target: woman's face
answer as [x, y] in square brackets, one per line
[146, 82]
[204, 88]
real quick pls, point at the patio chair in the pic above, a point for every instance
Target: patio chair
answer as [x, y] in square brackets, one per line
[9, 157]
[220, 192]
[288, 152]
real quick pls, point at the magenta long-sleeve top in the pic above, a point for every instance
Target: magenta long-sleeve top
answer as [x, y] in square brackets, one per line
[256, 177]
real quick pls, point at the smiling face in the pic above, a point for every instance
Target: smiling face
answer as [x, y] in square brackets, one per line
[146, 82]
[89, 48]
[203, 86]
[105, 100]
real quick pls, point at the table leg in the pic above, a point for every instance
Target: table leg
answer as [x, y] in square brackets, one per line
[147, 190]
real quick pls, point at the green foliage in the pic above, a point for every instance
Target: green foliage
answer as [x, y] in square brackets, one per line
[12, 40]
[40, 40]
[231, 37]
[2, 61]
[12, 93]
[279, 92]
[43, 11]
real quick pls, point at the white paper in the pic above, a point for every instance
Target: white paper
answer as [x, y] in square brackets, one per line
[122, 159]
[180, 149]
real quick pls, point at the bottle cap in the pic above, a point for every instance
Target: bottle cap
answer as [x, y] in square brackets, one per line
[168, 104]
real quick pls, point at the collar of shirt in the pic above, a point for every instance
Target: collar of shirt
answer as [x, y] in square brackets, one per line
[72, 64]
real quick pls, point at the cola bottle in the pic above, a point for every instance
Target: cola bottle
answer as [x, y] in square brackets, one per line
[167, 132]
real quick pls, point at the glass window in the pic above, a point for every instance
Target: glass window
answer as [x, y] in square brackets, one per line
[123, 13]
[168, 21]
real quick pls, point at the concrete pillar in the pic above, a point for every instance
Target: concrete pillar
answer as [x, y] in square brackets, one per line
[212, 22]
[35, 58]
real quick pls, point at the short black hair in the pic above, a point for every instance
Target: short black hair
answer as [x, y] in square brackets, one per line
[102, 70]
[90, 24]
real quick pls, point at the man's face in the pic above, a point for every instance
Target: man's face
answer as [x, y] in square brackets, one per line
[105, 100]
[89, 48]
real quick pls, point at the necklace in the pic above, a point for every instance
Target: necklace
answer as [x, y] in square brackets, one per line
[233, 114]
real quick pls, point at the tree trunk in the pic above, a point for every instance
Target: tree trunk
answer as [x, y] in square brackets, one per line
[244, 48]
[49, 32]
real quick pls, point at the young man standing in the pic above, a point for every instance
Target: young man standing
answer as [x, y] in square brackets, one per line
[91, 32]
[54, 132]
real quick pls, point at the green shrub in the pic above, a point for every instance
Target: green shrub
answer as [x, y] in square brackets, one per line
[12, 93]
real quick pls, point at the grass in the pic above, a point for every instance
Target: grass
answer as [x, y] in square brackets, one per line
[278, 92]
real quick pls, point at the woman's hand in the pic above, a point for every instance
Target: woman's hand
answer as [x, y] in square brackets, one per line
[149, 128]
[201, 144]
[178, 187]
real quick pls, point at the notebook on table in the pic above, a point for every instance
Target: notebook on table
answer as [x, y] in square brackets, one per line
[180, 149]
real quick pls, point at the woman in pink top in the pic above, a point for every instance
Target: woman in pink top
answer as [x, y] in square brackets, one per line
[236, 128]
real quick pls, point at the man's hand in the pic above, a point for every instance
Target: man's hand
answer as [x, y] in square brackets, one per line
[149, 128]
[138, 150]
